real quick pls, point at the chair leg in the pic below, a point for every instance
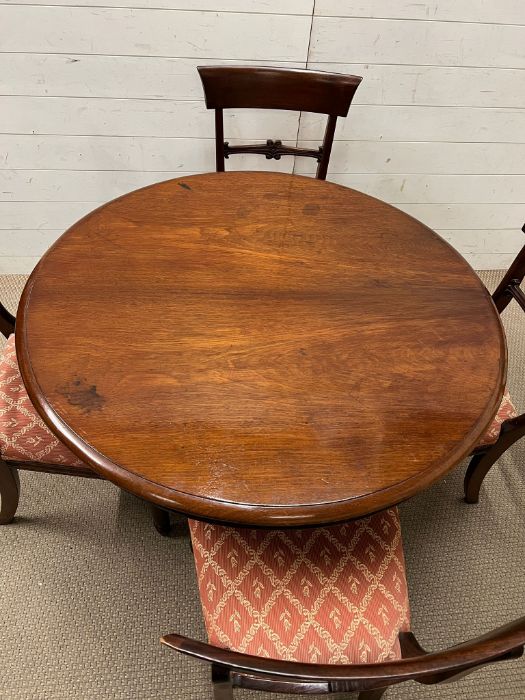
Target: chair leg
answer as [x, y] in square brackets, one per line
[372, 694]
[9, 492]
[161, 520]
[222, 683]
[478, 468]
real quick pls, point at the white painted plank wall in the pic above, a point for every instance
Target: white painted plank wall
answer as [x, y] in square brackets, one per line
[291, 7]
[471, 11]
[153, 32]
[99, 97]
[144, 77]
[437, 126]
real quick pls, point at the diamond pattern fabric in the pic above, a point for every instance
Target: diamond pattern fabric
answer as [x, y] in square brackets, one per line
[24, 437]
[505, 411]
[335, 594]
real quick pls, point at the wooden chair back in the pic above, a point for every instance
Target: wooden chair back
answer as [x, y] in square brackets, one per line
[512, 429]
[238, 87]
[509, 287]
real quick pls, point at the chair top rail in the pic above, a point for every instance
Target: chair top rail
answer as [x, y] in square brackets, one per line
[229, 87]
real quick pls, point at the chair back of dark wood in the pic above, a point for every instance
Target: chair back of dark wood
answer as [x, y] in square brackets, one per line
[236, 669]
[509, 287]
[239, 87]
[7, 322]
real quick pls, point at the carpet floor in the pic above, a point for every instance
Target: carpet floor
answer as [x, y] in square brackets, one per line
[87, 586]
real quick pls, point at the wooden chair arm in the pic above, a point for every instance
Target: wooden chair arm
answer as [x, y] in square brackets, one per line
[506, 641]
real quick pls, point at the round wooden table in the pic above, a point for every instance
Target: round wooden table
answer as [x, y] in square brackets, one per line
[261, 348]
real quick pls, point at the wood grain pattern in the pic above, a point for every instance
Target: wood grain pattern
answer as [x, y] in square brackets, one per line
[280, 351]
[496, 219]
[263, 87]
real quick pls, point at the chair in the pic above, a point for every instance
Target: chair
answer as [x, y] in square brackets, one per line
[237, 87]
[318, 610]
[507, 426]
[25, 440]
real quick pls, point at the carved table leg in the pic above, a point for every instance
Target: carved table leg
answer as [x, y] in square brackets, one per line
[161, 520]
[9, 492]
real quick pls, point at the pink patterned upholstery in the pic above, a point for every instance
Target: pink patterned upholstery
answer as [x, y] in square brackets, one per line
[23, 435]
[505, 411]
[334, 594]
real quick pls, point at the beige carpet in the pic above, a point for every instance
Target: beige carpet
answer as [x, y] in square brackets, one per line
[87, 586]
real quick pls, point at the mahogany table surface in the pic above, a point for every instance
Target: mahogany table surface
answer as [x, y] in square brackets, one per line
[261, 349]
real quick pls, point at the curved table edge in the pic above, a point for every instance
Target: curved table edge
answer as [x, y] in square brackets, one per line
[240, 514]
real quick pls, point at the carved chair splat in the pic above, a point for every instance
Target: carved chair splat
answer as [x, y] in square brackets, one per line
[238, 87]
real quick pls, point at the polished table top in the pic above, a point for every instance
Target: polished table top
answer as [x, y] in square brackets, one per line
[261, 348]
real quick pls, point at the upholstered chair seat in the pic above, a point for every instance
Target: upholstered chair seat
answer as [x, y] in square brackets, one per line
[27, 443]
[334, 594]
[24, 437]
[505, 411]
[320, 610]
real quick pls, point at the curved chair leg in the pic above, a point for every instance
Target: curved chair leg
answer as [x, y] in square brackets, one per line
[9, 492]
[477, 470]
[481, 463]
[511, 430]
[161, 520]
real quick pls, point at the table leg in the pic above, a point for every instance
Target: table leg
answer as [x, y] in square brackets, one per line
[161, 520]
